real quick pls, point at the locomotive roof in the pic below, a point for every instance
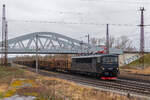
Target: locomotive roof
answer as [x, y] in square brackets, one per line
[92, 56]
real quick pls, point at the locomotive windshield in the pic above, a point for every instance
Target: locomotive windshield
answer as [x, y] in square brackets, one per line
[110, 60]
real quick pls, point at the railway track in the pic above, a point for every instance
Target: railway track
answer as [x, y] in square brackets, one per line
[130, 87]
[136, 79]
[124, 86]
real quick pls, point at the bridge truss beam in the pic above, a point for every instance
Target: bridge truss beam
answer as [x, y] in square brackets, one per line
[50, 43]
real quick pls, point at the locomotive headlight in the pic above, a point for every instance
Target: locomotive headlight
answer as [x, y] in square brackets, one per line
[103, 68]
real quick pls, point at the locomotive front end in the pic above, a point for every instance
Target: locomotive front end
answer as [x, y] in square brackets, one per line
[109, 67]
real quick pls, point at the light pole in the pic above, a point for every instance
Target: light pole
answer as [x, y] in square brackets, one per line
[88, 36]
[107, 39]
[142, 41]
[36, 53]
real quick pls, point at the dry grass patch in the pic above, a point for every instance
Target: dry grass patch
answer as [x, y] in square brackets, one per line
[72, 91]
[3, 87]
[145, 71]
[26, 83]
[7, 74]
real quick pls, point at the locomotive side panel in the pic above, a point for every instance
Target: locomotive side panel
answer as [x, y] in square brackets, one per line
[83, 65]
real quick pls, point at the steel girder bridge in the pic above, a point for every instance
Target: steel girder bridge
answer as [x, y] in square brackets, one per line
[48, 43]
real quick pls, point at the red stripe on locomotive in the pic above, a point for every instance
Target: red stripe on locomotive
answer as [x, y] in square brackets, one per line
[108, 78]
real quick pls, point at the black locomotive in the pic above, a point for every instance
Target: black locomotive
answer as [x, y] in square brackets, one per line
[104, 65]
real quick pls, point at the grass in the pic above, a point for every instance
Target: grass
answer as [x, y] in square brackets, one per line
[26, 83]
[7, 74]
[136, 67]
[137, 63]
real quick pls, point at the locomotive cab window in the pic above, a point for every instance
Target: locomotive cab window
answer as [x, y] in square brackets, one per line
[110, 60]
[98, 60]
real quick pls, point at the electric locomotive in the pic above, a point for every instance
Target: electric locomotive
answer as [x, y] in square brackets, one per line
[104, 66]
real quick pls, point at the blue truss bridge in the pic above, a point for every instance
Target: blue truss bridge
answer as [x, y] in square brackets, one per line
[50, 43]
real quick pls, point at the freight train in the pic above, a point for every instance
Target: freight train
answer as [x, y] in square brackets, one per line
[104, 66]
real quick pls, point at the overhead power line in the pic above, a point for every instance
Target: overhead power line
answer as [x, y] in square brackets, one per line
[73, 23]
[119, 1]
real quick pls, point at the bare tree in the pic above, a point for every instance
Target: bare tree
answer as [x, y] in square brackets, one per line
[122, 42]
[111, 41]
[102, 41]
[94, 41]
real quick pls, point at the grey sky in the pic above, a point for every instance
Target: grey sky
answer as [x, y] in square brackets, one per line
[79, 11]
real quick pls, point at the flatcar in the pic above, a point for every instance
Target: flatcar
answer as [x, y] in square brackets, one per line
[26, 62]
[59, 64]
[104, 66]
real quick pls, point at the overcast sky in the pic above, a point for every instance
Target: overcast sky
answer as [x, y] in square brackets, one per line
[77, 11]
